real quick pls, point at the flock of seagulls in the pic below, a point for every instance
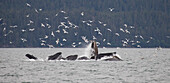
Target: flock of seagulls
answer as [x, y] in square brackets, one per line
[67, 25]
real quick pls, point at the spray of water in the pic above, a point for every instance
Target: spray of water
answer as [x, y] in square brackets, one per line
[88, 50]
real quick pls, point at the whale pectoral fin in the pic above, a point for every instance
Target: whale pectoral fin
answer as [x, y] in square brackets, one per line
[31, 56]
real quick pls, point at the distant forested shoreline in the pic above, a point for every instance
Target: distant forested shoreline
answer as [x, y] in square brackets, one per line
[74, 23]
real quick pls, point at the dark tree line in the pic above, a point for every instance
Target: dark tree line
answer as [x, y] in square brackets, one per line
[27, 23]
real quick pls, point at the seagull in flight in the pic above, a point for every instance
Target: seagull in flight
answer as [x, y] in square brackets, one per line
[28, 4]
[52, 33]
[125, 25]
[111, 9]
[58, 31]
[32, 29]
[42, 25]
[57, 41]
[122, 30]
[109, 30]
[82, 13]
[36, 10]
[117, 34]
[23, 39]
[65, 31]
[64, 39]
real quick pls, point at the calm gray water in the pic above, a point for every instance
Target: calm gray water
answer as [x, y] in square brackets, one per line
[139, 66]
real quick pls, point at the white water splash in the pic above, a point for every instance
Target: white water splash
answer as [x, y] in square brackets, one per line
[87, 52]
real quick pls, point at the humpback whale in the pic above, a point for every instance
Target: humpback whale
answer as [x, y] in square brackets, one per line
[31, 56]
[72, 57]
[94, 50]
[105, 54]
[56, 56]
[83, 58]
[93, 55]
[109, 56]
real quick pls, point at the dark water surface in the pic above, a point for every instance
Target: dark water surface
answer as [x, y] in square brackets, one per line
[139, 66]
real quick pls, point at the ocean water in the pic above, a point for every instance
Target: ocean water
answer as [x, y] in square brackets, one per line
[142, 65]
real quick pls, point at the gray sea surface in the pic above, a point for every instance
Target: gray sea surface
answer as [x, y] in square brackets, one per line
[139, 65]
